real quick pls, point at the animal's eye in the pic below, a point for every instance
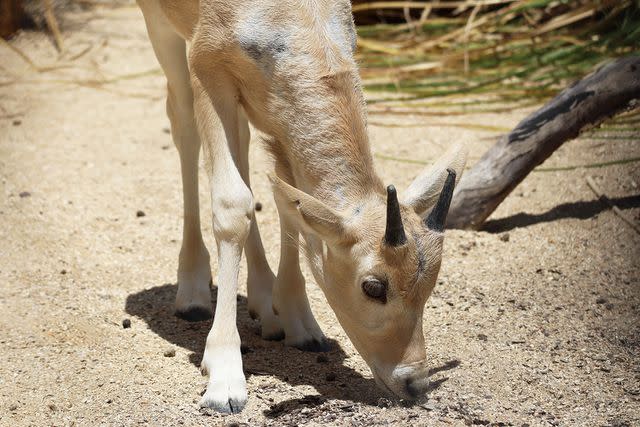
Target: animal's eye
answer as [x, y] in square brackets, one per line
[375, 289]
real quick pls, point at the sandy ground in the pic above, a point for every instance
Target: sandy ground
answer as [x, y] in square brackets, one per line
[533, 322]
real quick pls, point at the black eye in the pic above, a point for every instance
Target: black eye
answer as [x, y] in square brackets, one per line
[375, 289]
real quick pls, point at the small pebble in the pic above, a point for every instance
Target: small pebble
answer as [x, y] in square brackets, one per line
[258, 206]
[482, 337]
[171, 352]
[52, 407]
[13, 407]
[63, 271]
[140, 214]
[126, 323]
[383, 402]
[331, 376]
[504, 237]
[601, 300]
[429, 406]
[109, 400]
[17, 122]
[24, 194]
[322, 358]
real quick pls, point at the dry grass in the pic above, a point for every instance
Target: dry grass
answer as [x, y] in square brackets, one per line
[516, 52]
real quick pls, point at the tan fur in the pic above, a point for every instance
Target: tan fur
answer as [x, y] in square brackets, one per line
[288, 68]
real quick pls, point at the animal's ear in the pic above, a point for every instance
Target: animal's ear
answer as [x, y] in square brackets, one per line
[309, 213]
[424, 191]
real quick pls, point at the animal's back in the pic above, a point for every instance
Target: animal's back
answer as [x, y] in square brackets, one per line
[318, 15]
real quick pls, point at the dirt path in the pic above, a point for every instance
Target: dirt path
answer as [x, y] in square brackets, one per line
[533, 322]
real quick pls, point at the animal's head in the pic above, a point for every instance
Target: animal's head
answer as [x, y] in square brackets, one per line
[381, 258]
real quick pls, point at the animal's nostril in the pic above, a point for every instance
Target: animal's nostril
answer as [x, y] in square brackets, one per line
[416, 387]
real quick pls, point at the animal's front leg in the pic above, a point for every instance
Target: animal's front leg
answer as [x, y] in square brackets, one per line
[232, 207]
[290, 297]
[222, 360]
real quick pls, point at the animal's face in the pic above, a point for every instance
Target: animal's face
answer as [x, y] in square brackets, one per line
[380, 262]
[378, 291]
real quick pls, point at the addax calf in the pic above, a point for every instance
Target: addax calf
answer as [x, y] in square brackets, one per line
[287, 67]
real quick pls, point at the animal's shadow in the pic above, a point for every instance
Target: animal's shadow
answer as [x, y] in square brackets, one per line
[326, 372]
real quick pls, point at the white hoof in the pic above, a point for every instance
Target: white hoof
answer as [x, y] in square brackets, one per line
[227, 397]
[227, 388]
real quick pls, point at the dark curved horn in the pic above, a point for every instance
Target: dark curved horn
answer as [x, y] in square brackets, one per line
[438, 216]
[394, 233]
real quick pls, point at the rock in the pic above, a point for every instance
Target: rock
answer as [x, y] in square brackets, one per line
[140, 214]
[16, 122]
[482, 337]
[468, 246]
[24, 194]
[258, 206]
[170, 352]
[13, 407]
[322, 358]
[601, 300]
[504, 237]
[383, 402]
[63, 271]
[126, 323]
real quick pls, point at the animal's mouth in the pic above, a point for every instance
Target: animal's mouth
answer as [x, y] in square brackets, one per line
[384, 386]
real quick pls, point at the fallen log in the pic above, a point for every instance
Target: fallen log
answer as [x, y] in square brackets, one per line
[608, 90]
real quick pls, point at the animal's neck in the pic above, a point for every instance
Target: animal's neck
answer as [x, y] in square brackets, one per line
[329, 148]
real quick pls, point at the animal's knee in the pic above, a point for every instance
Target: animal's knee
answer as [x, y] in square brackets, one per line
[232, 213]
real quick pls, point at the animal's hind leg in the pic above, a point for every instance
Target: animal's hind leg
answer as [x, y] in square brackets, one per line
[260, 278]
[193, 300]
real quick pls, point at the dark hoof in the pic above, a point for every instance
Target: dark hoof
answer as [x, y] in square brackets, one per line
[232, 406]
[236, 406]
[194, 314]
[277, 336]
[314, 346]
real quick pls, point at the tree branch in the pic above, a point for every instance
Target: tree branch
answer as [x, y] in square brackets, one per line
[611, 88]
